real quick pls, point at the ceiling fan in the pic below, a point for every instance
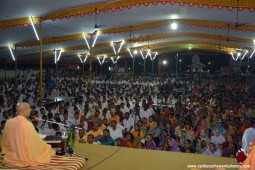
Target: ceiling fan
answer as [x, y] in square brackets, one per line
[237, 24]
[96, 26]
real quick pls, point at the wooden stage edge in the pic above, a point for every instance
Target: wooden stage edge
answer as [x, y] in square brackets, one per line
[115, 158]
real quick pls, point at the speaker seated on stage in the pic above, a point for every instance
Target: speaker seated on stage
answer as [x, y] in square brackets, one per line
[21, 144]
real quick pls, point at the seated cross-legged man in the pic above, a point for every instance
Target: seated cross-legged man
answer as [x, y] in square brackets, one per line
[21, 144]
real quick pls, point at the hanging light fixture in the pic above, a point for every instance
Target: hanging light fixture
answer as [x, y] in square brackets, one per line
[99, 60]
[10, 49]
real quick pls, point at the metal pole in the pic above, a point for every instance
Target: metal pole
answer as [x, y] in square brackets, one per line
[57, 75]
[133, 68]
[116, 70]
[16, 66]
[247, 71]
[90, 62]
[239, 72]
[176, 67]
[5, 72]
[144, 67]
[151, 66]
[83, 69]
[41, 62]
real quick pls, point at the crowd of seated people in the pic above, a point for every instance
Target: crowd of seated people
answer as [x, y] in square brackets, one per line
[205, 117]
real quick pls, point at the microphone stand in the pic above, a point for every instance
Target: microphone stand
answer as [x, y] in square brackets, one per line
[70, 149]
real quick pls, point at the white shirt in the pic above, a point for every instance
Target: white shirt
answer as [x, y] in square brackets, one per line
[75, 122]
[124, 110]
[117, 133]
[48, 131]
[127, 123]
[145, 114]
[218, 140]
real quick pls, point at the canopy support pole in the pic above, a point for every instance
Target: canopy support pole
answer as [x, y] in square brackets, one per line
[41, 62]
[16, 65]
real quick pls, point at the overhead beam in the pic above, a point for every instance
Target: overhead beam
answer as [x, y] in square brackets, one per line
[195, 43]
[120, 5]
[143, 39]
[18, 22]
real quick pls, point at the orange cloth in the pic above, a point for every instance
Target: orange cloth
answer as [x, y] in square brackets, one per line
[102, 127]
[22, 145]
[250, 160]
[95, 133]
[135, 133]
[116, 118]
[132, 144]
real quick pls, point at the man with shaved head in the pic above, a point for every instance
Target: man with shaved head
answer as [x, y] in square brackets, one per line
[21, 144]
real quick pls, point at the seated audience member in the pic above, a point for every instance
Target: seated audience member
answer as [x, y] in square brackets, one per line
[201, 145]
[220, 127]
[171, 145]
[2, 126]
[115, 131]
[130, 140]
[128, 122]
[189, 131]
[106, 139]
[184, 137]
[113, 117]
[212, 150]
[95, 131]
[230, 150]
[149, 142]
[229, 139]
[21, 144]
[140, 146]
[121, 142]
[138, 134]
[187, 147]
[151, 121]
[155, 132]
[217, 139]
[90, 139]
[163, 139]
[48, 130]
[170, 130]
[101, 125]
[80, 137]
[142, 127]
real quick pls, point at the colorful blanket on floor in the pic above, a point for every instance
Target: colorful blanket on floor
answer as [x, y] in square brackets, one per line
[57, 163]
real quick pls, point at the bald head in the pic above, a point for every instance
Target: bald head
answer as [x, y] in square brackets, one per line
[23, 109]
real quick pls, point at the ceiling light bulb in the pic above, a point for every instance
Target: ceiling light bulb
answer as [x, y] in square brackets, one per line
[135, 52]
[174, 26]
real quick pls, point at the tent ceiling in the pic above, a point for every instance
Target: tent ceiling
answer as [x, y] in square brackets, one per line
[148, 25]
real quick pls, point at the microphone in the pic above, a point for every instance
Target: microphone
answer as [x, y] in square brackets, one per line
[61, 124]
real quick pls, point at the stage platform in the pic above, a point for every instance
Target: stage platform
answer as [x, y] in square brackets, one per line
[116, 158]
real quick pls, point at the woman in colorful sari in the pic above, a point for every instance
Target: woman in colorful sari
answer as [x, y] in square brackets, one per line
[171, 145]
[130, 140]
[149, 143]
[138, 134]
[141, 127]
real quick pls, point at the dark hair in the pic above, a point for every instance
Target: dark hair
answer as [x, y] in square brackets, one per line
[188, 141]
[131, 135]
[113, 121]
[106, 130]
[91, 135]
